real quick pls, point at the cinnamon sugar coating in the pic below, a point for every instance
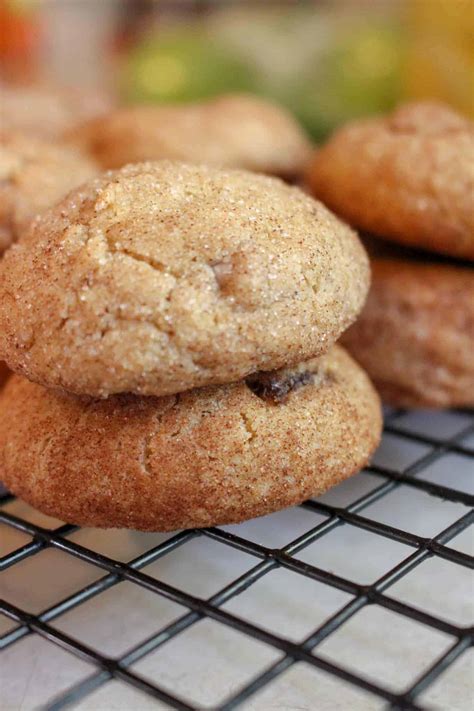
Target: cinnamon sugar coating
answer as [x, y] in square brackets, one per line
[34, 174]
[206, 457]
[165, 276]
[406, 177]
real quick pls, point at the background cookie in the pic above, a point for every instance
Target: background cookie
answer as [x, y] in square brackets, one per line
[47, 111]
[408, 177]
[232, 131]
[34, 174]
[165, 276]
[211, 456]
[415, 336]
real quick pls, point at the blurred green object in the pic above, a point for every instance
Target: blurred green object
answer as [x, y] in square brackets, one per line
[325, 66]
[359, 75]
[184, 65]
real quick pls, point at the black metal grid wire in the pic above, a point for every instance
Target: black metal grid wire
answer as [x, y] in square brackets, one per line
[267, 559]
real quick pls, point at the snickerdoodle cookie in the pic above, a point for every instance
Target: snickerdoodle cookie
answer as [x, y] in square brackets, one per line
[408, 177]
[209, 456]
[232, 131]
[34, 174]
[48, 111]
[415, 336]
[166, 276]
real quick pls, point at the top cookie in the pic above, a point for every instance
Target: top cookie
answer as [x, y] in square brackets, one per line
[34, 174]
[165, 276]
[408, 177]
[232, 131]
[45, 111]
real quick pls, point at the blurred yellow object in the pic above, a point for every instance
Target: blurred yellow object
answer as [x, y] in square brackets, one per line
[440, 52]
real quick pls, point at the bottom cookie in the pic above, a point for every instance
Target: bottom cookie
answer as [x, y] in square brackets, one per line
[415, 336]
[204, 457]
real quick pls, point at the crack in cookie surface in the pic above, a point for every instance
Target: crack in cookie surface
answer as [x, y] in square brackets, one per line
[164, 277]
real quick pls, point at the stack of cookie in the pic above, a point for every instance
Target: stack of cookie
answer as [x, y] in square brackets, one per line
[409, 178]
[172, 328]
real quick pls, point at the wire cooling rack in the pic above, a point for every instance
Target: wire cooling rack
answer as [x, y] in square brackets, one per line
[355, 600]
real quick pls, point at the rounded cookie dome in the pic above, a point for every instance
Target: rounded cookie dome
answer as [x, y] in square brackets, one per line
[407, 177]
[165, 276]
[232, 131]
[206, 457]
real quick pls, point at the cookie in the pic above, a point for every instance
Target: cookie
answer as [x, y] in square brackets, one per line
[46, 111]
[210, 456]
[406, 177]
[415, 336]
[34, 174]
[163, 277]
[232, 131]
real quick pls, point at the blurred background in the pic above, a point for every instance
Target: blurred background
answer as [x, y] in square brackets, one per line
[327, 61]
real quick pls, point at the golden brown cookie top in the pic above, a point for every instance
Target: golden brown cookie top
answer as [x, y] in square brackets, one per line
[408, 177]
[48, 111]
[208, 456]
[232, 131]
[166, 276]
[34, 174]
